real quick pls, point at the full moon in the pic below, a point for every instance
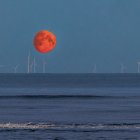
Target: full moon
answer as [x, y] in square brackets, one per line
[44, 41]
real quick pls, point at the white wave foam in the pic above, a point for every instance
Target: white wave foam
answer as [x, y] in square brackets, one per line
[24, 126]
[69, 126]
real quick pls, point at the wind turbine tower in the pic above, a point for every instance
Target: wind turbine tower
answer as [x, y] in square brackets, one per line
[95, 68]
[34, 64]
[31, 66]
[15, 68]
[138, 67]
[44, 66]
[28, 65]
[122, 68]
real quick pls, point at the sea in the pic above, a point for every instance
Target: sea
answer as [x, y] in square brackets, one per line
[70, 106]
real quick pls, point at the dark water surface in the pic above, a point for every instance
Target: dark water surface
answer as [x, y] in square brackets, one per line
[70, 106]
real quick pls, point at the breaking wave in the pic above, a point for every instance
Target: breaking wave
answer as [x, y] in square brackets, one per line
[69, 127]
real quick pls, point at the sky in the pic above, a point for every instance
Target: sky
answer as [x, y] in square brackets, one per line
[89, 32]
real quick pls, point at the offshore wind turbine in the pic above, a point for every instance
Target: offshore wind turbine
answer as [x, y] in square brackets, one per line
[44, 66]
[28, 65]
[15, 68]
[34, 64]
[95, 68]
[122, 68]
[31, 66]
[138, 67]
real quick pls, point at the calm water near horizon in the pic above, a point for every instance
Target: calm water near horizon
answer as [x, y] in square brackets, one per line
[70, 106]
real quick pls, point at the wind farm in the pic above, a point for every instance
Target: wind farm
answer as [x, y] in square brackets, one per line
[35, 64]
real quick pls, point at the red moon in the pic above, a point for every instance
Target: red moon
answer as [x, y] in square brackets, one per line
[44, 41]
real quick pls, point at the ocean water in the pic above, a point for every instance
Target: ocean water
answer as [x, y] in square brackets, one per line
[69, 106]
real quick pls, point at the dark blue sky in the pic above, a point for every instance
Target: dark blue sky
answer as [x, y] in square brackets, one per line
[105, 32]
